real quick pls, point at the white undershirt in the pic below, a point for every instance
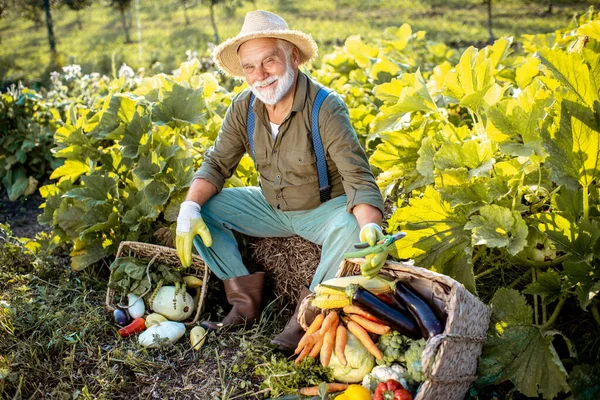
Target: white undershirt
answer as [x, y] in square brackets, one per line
[274, 130]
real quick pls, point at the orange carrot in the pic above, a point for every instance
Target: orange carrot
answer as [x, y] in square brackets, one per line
[331, 387]
[362, 313]
[370, 326]
[328, 344]
[340, 344]
[316, 349]
[330, 321]
[362, 335]
[311, 329]
[305, 352]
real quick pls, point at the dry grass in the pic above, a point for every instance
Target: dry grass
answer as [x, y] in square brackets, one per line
[291, 262]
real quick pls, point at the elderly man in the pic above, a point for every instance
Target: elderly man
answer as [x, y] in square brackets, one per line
[315, 179]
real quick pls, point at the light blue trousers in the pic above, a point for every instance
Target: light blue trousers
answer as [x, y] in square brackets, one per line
[246, 210]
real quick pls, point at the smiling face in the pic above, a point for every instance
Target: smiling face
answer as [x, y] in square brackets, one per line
[269, 68]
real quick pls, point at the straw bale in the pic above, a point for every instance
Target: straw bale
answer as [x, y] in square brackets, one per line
[291, 261]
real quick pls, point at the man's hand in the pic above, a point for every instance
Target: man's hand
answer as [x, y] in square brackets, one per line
[190, 224]
[371, 233]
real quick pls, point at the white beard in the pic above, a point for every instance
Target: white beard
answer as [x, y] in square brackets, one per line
[272, 96]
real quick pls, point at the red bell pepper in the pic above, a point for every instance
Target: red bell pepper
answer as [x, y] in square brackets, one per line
[138, 325]
[392, 390]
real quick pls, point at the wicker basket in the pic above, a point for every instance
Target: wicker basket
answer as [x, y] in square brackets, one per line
[449, 359]
[167, 256]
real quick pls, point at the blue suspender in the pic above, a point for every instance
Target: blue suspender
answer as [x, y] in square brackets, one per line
[324, 188]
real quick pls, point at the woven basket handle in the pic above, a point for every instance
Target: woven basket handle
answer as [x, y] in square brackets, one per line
[430, 352]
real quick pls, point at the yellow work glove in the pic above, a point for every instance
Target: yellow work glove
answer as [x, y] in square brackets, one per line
[371, 233]
[190, 224]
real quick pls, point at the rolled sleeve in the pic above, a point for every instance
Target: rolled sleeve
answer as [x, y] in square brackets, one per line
[342, 145]
[221, 160]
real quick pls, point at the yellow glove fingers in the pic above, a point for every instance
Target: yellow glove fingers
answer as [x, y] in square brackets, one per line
[379, 259]
[200, 228]
[188, 242]
[204, 234]
[178, 246]
[371, 236]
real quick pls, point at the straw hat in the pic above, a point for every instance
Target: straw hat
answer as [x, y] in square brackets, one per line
[262, 24]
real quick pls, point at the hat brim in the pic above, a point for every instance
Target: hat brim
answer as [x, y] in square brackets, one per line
[226, 54]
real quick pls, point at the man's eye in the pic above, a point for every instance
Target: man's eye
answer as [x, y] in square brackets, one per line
[269, 61]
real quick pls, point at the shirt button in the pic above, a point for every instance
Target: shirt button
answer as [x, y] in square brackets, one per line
[278, 196]
[278, 176]
[274, 151]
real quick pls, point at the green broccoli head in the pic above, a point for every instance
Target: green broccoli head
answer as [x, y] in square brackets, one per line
[393, 346]
[414, 373]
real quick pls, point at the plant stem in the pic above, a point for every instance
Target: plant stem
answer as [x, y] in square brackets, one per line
[554, 316]
[586, 203]
[517, 281]
[544, 313]
[546, 264]
[595, 314]
[535, 297]
[518, 194]
[487, 272]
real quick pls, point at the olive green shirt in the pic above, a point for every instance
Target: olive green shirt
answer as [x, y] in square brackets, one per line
[288, 165]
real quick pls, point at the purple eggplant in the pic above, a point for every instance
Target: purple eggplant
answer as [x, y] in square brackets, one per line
[122, 317]
[429, 323]
[399, 321]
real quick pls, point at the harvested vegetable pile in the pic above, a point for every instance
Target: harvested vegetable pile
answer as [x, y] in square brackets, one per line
[291, 261]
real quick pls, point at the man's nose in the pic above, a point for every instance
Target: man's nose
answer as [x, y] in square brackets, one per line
[261, 74]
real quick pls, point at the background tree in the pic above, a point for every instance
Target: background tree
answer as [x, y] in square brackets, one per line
[185, 4]
[31, 10]
[50, 27]
[77, 5]
[6, 6]
[488, 4]
[124, 7]
[229, 5]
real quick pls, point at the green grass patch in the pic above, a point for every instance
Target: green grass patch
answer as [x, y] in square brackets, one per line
[24, 53]
[58, 341]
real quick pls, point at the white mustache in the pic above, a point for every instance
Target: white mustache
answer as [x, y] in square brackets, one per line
[266, 82]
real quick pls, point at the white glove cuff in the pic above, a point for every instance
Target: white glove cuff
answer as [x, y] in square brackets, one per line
[187, 211]
[371, 225]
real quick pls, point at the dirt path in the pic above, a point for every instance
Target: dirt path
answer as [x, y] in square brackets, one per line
[22, 214]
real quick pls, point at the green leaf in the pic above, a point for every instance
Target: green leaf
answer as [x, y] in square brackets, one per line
[498, 227]
[147, 167]
[157, 193]
[172, 209]
[435, 237]
[180, 104]
[509, 308]
[585, 278]
[399, 150]
[583, 379]
[573, 146]
[519, 352]
[141, 213]
[578, 240]
[97, 190]
[135, 130]
[116, 109]
[527, 358]
[69, 217]
[71, 170]
[572, 72]
[548, 285]
[570, 203]
[16, 182]
[91, 252]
